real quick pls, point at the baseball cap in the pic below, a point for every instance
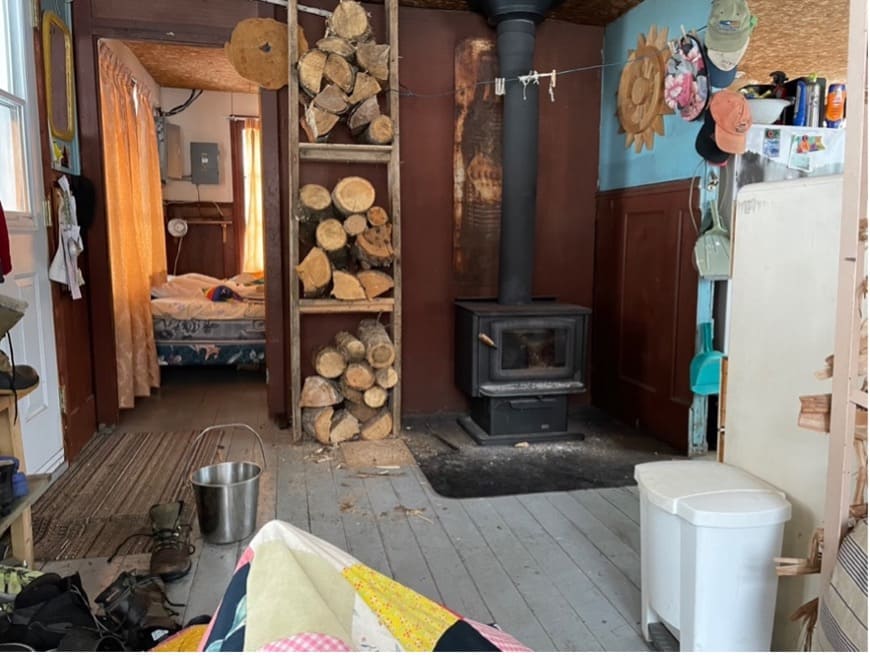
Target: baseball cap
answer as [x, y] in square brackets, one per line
[733, 118]
[686, 87]
[728, 26]
[717, 77]
[705, 142]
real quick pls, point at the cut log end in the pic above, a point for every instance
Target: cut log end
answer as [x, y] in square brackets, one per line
[350, 347]
[350, 21]
[387, 377]
[360, 410]
[380, 131]
[339, 72]
[378, 427]
[375, 283]
[376, 396]
[353, 195]
[358, 376]
[315, 272]
[310, 68]
[317, 422]
[364, 113]
[315, 202]
[317, 123]
[345, 426]
[346, 286]
[329, 362]
[330, 235]
[364, 87]
[374, 58]
[355, 224]
[380, 351]
[377, 216]
[319, 392]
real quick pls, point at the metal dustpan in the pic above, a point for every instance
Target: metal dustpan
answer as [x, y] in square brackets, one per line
[713, 250]
[706, 367]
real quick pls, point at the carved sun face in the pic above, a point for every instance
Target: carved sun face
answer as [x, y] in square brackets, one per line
[640, 99]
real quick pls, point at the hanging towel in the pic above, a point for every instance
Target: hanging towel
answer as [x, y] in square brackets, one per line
[64, 267]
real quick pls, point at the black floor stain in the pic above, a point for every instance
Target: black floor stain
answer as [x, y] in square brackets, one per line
[457, 467]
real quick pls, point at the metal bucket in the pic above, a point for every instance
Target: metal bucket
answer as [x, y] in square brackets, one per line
[226, 495]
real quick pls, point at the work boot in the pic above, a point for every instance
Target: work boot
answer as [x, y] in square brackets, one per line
[170, 556]
[11, 311]
[16, 377]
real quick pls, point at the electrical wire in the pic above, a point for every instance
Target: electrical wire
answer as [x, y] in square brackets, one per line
[177, 255]
[194, 95]
[692, 181]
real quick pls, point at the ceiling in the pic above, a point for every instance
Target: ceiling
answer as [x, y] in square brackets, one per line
[584, 12]
[190, 67]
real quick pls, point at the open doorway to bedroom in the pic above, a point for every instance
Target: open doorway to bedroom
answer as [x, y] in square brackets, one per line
[184, 209]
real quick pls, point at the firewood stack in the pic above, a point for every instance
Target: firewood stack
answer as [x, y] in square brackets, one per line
[342, 77]
[350, 395]
[350, 241]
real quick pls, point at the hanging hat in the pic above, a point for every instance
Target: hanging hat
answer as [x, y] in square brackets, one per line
[733, 119]
[686, 86]
[728, 26]
[705, 142]
[718, 78]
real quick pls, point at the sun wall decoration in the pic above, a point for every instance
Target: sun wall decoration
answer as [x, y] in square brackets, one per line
[640, 100]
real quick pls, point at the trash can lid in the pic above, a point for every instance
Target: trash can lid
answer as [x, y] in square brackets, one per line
[735, 509]
[668, 483]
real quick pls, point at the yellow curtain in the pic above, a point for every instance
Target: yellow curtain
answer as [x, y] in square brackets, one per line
[134, 215]
[253, 250]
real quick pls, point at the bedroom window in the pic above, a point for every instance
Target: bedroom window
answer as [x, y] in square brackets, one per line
[14, 113]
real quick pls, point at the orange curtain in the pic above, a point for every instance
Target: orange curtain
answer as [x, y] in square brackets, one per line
[253, 251]
[134, 213]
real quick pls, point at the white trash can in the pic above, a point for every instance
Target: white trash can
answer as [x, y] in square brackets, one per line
[709, 534]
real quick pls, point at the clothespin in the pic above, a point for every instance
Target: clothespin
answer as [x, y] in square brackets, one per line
[525, 80]
[552, 88]
[499, 86]
[683, 30]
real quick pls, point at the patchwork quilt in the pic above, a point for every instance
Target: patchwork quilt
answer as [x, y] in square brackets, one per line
[292, 591]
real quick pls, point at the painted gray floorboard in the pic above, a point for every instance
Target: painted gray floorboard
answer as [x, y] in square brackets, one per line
[213, 573]
[360, 524]
[621, 526]
[507, 606]
[544, 599]
[626, 502]
[323, 512]
[610, 629]
[406, 561]
[614, 549]
[292, 501]
[632, 489]
[621, 592]
[456, 586]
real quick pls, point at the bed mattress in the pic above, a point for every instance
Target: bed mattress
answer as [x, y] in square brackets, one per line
[185, 309]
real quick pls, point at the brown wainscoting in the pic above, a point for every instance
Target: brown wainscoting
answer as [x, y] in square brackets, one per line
[643, 313]
[210, 244]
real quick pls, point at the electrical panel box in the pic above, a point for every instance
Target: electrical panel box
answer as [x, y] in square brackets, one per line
[204, 163]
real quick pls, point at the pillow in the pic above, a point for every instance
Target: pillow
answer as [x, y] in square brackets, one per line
[188, 285]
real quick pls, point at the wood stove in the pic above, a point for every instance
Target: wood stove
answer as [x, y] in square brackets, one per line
[518, 358]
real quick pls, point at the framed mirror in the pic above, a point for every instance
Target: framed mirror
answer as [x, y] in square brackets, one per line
[57, 52]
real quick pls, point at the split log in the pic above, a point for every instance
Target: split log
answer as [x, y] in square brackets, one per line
[317, 123]
[331, 235]
[360, 410]
[339, 72]
[350, 21]
[364, 113]
[377, 216]
[380, 351]
[375, 396]
[319, 392]
[315, 203]
[350, 394]
[353, 195]
[331, 99]
[315, 272]
[350, 347]
[329, 362]
[374, 247]
[379, 132]
[317, 422]
[375, 282]
[378, 427]
[364, 87]
[815, 412]
[358, 376]
[374, 59]
[355, 224]
[344, 427]
[336, 45]
[347, 287]
[387, 377]
[310, 68]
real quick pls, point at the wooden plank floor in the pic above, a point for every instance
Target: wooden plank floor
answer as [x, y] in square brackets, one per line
[560, 571]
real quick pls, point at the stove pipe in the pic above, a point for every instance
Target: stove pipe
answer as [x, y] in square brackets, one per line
[515, 22]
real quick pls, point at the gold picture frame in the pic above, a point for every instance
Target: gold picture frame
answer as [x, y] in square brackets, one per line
[57, 55]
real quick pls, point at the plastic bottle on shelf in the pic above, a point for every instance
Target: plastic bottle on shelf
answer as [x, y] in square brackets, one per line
[835, 111]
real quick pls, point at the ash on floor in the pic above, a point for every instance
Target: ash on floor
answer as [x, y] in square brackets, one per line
[456, 466]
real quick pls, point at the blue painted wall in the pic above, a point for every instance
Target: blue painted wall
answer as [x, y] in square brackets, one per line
[673, 156]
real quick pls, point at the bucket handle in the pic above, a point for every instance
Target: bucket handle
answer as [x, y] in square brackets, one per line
[235, 425]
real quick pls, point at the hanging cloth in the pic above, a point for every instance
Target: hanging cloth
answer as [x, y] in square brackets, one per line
[64, 267]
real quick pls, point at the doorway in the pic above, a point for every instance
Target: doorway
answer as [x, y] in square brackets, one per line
[184, 217]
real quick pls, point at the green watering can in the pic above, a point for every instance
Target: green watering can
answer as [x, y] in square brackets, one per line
[706, 367]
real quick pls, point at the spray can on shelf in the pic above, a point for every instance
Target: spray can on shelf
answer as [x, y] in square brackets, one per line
[815, 101]
[835, 111]
[801, 103]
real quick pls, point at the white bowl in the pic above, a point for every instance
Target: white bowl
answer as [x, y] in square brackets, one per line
[766, 110]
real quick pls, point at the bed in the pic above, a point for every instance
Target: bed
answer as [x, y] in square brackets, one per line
[200, 320]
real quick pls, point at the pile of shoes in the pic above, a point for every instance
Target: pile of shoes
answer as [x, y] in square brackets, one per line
[13, 378]
[171, 549]
[13, 483]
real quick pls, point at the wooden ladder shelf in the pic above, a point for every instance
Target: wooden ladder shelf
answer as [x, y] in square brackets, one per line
[302, 152]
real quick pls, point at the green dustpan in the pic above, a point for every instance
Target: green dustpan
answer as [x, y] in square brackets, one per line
[706, 367]
[713, 250]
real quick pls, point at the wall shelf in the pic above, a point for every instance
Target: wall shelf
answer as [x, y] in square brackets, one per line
[328, 306]
[327, 152]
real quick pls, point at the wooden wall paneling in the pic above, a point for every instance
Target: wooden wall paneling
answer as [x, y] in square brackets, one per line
[207, 248]
[96, 238]
[643, 314]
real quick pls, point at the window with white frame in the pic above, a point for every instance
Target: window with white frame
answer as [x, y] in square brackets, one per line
[14, 112]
